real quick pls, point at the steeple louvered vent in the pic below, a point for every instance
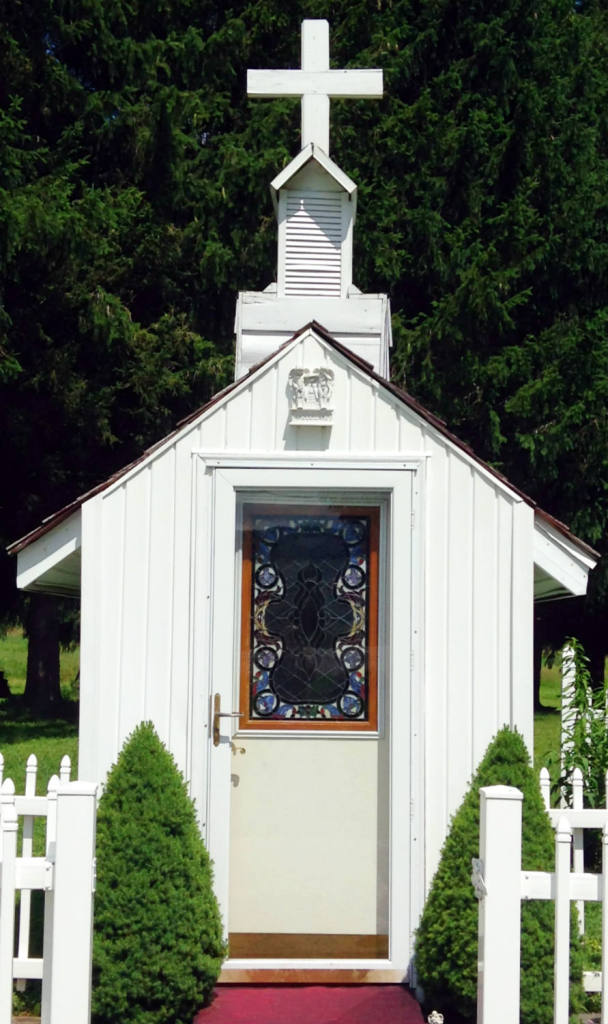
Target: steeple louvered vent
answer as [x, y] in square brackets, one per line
[313, 243]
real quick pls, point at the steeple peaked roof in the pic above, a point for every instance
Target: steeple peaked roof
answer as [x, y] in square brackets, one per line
[312, 152]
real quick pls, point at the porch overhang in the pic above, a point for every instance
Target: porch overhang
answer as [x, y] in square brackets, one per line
[561, 564]
[50, 563]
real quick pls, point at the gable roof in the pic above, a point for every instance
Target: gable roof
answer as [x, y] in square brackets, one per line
[316, 154]
[552, 525]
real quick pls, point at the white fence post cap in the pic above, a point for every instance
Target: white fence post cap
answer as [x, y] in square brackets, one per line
[501, 793]
[77, 789]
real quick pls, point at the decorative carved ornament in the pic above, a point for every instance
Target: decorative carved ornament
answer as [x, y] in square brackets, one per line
[311, 397]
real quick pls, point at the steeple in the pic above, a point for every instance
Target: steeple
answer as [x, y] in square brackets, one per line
[315, 203]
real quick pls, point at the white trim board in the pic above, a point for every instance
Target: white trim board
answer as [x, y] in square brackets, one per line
[221, 486]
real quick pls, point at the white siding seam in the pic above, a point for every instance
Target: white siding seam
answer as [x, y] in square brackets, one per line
[374, 418]
[121, 617]
[418, 688]
[192, 564]
[497, 675]
[511, 621]
[446, 646]
[92, 604]
[146, 622]
[171, 610]
[349, 407]
[472, 638]
[223, 411]
[250, 425]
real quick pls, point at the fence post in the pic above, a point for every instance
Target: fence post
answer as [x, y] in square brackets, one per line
[8, 826]
[605, 922]
[545, 787]
[31, 770]
[49, 901]
[500, 907]
[561, 983]
[578, 851]
[72, 917]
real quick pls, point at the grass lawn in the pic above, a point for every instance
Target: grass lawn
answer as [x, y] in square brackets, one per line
[13, 660]
[547, 721]
[22, 734]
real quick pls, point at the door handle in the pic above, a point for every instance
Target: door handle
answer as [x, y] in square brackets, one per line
[217, 714]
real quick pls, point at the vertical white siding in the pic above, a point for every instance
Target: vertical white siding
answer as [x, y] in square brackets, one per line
[435, 669]
[263, 413]
[362, 415]
[212, 433]
[137, 582]
[145, 607]
[238, 419]
[386, 426]
[459, 640]
[484, 601]
[522, 619]
[178, 735]
[506, 511]
[91, 760]
[135, 595]
[161, 541]
[112, 559]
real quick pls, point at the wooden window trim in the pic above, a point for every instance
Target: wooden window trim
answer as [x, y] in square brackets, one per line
[246, 722]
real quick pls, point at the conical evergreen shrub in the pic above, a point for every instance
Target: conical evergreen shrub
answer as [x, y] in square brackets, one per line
[158, 945]
[446, 941]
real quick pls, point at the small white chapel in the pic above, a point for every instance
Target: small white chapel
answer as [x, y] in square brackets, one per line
[318, 594]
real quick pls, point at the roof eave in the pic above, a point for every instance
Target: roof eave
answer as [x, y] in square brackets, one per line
[562, 561]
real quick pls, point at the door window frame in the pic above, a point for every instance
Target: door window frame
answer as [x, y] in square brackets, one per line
[375, 511]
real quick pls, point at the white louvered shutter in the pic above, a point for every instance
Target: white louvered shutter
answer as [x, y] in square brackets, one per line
[313, 244]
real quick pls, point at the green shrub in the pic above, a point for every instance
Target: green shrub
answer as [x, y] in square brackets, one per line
[158, 945]
[446, 941]
[585, 727]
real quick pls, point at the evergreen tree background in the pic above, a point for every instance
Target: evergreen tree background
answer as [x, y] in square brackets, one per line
[134, 204]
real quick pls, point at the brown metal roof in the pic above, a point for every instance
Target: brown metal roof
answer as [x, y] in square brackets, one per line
[403, 396]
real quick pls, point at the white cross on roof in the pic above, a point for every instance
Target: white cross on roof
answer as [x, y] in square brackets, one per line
[316, 84]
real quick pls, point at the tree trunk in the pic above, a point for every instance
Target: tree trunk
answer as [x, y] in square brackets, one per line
[42, 690]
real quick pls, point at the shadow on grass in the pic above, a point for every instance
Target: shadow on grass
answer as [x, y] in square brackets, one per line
[19, 724]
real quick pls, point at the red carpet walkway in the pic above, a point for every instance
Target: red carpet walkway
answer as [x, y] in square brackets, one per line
[311, 1004]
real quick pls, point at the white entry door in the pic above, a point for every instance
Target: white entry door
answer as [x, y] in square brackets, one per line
[302, 824]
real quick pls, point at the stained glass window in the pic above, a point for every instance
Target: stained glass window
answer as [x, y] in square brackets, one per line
[309, 616]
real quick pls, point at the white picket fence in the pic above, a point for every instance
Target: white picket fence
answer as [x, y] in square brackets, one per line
[501, 885]
[66, 874]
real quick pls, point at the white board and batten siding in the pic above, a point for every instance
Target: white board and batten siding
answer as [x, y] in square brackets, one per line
[144, 622]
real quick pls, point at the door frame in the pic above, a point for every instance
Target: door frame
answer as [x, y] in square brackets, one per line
[221, 480]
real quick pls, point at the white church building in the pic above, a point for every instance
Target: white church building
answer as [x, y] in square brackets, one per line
[318, 594]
